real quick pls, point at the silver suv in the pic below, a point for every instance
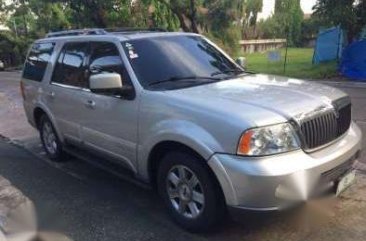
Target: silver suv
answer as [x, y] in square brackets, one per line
[179, 114]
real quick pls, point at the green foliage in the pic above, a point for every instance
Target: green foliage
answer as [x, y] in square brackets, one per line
[34, 18]
[269, 28]
[13, 49]
[289, 17]
[253, 7]
[309, 29]
[249, 18]
[286, 23]
[49, 17]
[162, 16]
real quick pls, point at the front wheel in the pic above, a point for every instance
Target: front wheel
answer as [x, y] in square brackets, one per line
[190, 192]
[50, 140]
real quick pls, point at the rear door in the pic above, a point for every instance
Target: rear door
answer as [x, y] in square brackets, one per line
[67, 94]
[111, 125]
[34, 71]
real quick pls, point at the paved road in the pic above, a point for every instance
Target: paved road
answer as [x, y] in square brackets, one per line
[105, 208]
[86, 203]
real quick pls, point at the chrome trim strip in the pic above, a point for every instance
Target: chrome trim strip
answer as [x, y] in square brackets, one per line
[325, 145]
[70, 87]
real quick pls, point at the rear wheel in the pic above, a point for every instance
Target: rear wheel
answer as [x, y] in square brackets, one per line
[50, 140]
[190, 192]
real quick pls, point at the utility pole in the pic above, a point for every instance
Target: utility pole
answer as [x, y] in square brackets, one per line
[285, 63]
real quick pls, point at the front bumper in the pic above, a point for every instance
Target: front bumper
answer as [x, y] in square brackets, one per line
[279, 181]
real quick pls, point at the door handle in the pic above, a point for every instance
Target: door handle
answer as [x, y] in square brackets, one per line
[90, 104]
[51, 94]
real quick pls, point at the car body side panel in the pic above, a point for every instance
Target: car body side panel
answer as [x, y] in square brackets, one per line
[184, 132]
[111, 127]
[34, 90]
[63, 101]
[163, 118]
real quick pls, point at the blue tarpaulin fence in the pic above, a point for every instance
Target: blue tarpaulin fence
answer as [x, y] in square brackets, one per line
[329, 45]
[353, 64]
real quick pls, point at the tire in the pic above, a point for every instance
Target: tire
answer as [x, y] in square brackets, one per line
[50, 141]
[196, 207]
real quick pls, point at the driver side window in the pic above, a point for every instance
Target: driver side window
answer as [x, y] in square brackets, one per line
[105, 57]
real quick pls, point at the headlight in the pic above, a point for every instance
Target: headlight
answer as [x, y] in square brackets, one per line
[268, 140]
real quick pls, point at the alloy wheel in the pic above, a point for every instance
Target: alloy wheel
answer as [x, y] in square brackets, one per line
[49, 138]
[185, 191]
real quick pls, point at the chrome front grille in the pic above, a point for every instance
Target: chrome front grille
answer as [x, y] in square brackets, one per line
[325, 127]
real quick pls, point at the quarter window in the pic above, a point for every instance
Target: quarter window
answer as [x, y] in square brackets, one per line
[71, 65]
[37, 61]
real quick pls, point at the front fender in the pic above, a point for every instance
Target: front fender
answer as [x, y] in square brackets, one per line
[180, 131]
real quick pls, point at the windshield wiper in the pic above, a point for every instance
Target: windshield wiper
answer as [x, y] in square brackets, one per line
[178, 78]
[235, 71]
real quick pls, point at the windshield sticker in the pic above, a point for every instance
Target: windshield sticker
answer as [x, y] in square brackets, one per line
[132, 54]
[131, 51]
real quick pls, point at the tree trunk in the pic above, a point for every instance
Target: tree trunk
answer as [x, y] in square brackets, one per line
[97, 13]
[193, 17]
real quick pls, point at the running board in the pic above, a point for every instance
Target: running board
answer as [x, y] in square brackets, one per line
[109, 166]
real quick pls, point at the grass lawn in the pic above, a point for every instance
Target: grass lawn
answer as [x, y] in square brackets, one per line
[299, 64]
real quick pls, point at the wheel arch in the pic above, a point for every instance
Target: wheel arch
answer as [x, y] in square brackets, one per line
[37, 114]
[162, 148]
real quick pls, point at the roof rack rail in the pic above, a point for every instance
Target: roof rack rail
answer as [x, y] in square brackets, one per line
[75, 32]
[101, 31]
[127, 29]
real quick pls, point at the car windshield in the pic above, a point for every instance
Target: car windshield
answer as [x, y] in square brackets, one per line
[178, 61]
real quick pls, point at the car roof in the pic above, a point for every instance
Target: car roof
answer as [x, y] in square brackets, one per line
[120, 36]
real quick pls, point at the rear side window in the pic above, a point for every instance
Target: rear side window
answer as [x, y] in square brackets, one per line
[37, 60]
[71, 65]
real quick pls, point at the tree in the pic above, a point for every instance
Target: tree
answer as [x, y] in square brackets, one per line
[186, 13]
[219, 19]
[249, 17]
[50, 17]
[289, 16]
[349, 14]
[253, 7]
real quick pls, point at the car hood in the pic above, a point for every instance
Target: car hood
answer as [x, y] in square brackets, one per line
[288, 97]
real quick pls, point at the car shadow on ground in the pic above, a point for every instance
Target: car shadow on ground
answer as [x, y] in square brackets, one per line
[133, 206]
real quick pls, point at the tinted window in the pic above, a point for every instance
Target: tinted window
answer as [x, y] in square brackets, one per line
[161, 58]
[105, 57]
[37, 60]
[70, 66]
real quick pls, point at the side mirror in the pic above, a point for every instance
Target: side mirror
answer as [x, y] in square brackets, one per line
[109, 83]
[242, 62]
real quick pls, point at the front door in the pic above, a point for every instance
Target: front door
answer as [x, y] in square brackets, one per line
[111, 126]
